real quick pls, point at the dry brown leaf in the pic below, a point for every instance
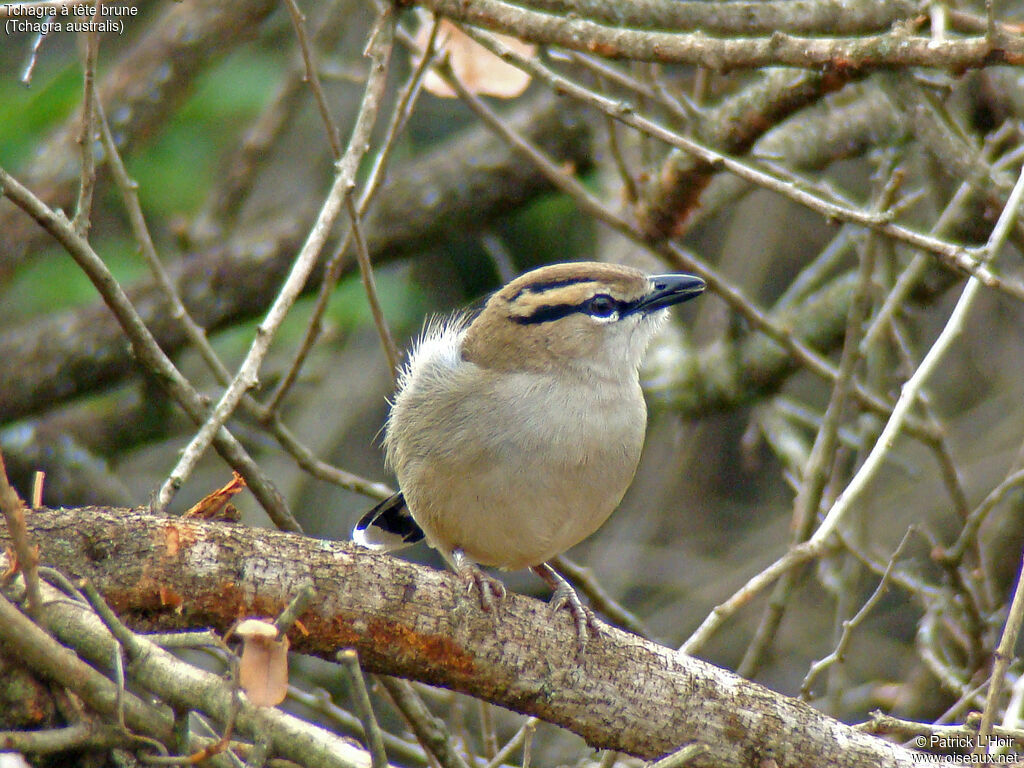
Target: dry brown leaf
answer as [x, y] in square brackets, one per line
[263, 668]
[479, 70]
[214, 506]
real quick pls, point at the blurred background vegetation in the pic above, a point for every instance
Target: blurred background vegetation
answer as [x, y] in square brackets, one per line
[461, 213]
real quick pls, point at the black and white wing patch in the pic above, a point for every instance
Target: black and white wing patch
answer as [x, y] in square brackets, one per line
[387, 526]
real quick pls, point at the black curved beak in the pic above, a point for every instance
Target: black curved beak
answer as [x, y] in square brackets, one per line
[667, 290]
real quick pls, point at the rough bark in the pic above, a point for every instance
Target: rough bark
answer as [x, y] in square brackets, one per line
[623, 693]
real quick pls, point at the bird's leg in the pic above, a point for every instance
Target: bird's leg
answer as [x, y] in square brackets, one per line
[491, 590]
[565, 596]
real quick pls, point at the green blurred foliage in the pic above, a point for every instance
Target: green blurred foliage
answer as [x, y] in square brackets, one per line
[175, 171]
[51, 281]
[552, 229]
[402, 302]
[27, 114]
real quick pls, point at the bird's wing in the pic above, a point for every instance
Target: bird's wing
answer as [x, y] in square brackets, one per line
[388, 526]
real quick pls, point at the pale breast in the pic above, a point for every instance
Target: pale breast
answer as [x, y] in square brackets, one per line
[513, 468]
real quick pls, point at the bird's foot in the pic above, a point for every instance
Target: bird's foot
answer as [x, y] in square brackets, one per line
[490, 590]
[565, 596]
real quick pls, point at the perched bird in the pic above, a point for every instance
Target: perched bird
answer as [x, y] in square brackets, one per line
[515, 434]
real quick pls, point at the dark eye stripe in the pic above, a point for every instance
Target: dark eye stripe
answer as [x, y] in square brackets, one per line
[550, 312]
[546, 314]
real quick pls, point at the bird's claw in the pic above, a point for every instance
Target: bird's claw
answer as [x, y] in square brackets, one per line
[583, 617]
[490, 590]
[565, 596]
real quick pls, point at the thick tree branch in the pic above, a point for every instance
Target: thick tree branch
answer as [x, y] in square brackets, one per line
[624, 693]
[895, 48]
[743, 17]
[177, 683]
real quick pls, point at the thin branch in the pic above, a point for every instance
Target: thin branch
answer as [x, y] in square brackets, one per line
[374, 739]
[312, 76]
[344, 183]
[849, 625]
[13, 509]
[370, 286]
[295, 608]
[969, 533]
[86, 138]
[399, 117]
[430, 732]
[682, 756]
[503, 755]
[223, 203]
[1002, 657]
[130, 194]
[146, 349]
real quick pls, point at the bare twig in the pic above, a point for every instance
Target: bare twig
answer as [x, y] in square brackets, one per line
[294, 609]
[370, 286]
[1001, 661]
[313, 78]
[361, 698]
[86, 138]
[146, 349]
[344, 183]
[130, 194]
[968, 535]
[399, 116]
[430, 732]
[682, 756]
[818, 543]
[851, 624]
[502, 756]
[13, 509]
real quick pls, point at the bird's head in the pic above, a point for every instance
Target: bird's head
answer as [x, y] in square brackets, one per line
[581, 315]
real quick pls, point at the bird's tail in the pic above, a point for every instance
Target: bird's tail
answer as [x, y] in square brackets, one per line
[388, 526]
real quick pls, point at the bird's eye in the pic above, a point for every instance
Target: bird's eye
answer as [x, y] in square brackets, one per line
[601, 305]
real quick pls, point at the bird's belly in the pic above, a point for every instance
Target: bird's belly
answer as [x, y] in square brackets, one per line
[514, 469]
[516, 511]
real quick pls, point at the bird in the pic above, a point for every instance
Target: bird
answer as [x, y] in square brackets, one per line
[515, 433]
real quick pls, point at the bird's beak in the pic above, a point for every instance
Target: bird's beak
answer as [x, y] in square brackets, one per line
[667, 290]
